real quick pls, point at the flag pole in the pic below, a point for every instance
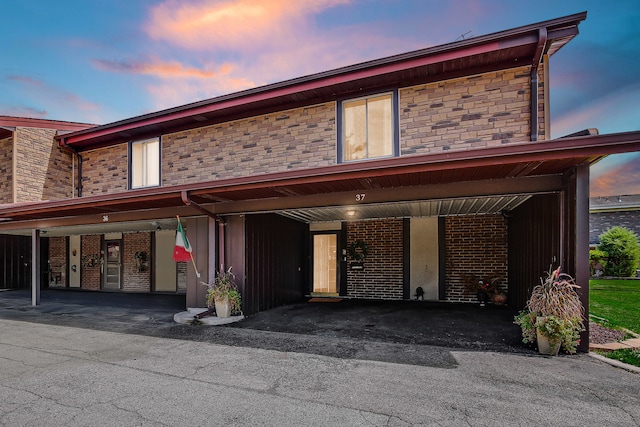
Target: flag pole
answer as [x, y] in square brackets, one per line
[194, 265]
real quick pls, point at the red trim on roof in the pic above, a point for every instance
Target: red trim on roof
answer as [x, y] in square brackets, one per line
[42, 123]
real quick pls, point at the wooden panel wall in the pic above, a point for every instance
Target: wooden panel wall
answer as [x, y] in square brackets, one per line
[15, 262]
[534, 244]
[276, 262]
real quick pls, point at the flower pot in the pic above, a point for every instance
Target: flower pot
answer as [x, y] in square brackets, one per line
[223, 308]
[545, 346]
[499, 299]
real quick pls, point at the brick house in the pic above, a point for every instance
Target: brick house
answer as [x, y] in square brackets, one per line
[366, 181]
[607, 212]
[35, 169]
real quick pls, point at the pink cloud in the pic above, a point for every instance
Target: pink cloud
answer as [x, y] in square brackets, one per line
[155, 68]
[231, 24]
[51, 92]
[623, 179]
[33, 113]
[177, 91]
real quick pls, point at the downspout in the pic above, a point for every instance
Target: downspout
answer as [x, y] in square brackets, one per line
[542, 41]
[220, 221]
[74, 151]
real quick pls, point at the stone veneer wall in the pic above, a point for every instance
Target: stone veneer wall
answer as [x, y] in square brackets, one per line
[479, 111]
[382, 277]
[104, 171]
[474, 245]
[293, 139]
[6, 170]
[43, 168]
[58, 260]
[132, 279]
[90, 277]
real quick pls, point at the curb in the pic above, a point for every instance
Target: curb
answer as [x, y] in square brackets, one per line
[616, 363]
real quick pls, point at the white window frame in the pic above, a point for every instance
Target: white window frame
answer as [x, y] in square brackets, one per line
[144, 154]
[393, 127]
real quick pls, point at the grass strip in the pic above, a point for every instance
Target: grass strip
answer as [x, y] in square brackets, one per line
[617, 301]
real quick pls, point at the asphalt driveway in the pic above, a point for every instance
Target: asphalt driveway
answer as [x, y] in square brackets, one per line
[411, 332]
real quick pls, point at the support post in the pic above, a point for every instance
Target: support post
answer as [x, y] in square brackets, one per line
[582, 246]
[35, 267]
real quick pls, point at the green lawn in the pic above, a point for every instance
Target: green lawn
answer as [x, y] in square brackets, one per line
[618, 301]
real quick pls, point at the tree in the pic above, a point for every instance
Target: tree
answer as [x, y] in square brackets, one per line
[623, 252]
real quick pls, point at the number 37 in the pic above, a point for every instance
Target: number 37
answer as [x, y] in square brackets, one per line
[360, 197]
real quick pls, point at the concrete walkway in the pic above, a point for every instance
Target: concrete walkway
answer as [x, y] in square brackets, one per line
[632, 344]
[59, 375]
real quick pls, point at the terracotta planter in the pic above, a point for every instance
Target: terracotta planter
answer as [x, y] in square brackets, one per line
[223, 308]
[500, 299]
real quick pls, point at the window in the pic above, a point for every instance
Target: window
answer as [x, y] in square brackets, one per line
[145, 163]
[368, 127]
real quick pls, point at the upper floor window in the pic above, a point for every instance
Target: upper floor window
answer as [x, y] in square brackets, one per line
[145, 163]
[368, 127]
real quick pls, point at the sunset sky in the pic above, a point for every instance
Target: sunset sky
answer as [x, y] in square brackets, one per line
[104, 60]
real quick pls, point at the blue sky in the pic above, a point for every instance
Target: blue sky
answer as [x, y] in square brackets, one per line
[104, 60]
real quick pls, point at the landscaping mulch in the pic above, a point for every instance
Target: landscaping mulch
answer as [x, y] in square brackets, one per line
[599, 334]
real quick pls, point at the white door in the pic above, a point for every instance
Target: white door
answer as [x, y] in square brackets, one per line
[424, 257]
[325, 264]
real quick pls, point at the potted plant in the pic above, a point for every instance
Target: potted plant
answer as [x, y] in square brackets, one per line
[223, 294]
[554, 316]
[485, 288]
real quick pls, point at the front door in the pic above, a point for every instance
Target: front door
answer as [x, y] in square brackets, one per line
[112, 266]
[325, 264]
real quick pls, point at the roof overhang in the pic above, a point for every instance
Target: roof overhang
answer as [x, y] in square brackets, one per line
[502, 50]
[518, 169]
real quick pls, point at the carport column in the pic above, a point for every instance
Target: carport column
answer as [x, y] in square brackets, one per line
[582, 245]
[35, 267]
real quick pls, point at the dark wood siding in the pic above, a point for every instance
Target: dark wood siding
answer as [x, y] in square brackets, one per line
[15, 262]
[276, 262]
[534, 244]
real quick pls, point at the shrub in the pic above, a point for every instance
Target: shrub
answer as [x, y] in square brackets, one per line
[597, 261]
[623, 252]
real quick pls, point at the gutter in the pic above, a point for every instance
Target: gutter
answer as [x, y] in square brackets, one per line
[63, 140]
[542, 41]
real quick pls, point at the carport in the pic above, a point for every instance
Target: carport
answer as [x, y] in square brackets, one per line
[540, 187]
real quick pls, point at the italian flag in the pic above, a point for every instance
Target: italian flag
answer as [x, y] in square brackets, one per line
[182, 250]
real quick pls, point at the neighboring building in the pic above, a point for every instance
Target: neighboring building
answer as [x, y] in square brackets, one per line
[434, 164]
[607, 212]
[35, 168]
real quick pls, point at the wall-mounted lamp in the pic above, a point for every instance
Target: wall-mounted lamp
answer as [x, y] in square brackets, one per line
[351, 212]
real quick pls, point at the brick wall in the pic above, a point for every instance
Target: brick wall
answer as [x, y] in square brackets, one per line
[6, 170]
[293, 139]
[58, 260]
[472, 112]
[104, 171]
[132, 279]
[382, 277]
[90, 277]
[474, 245]
[43, 169]
[599, 222]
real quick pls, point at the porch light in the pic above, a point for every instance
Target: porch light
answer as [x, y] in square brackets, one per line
[351, 212]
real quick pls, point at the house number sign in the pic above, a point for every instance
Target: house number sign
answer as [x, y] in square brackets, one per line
[360, 197]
